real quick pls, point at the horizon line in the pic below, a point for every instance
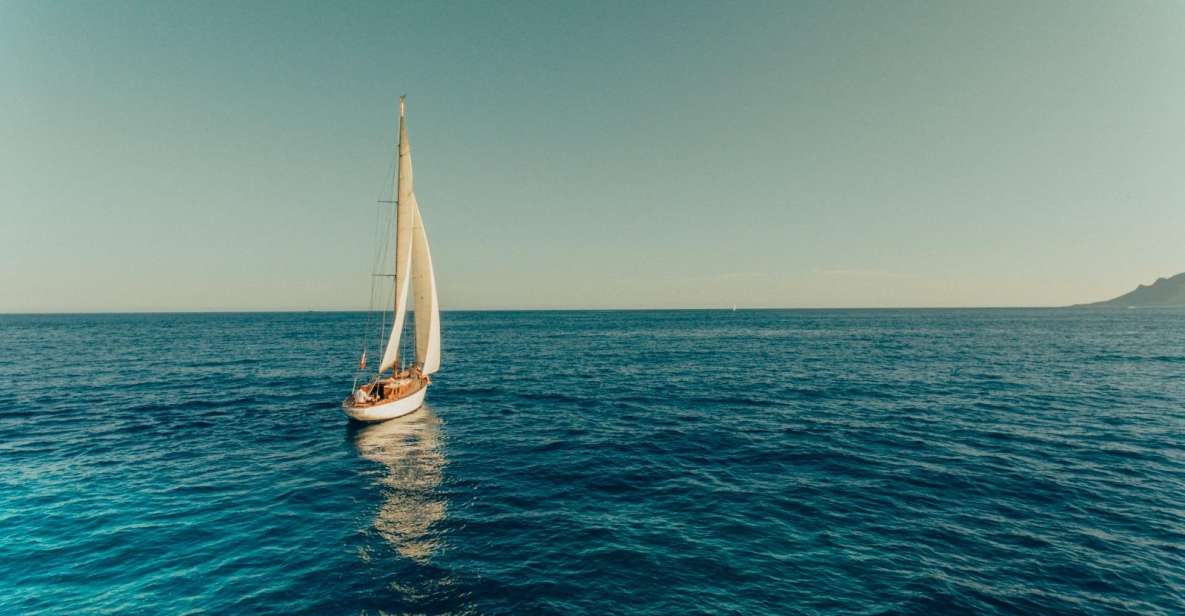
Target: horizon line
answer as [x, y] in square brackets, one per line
[551, 309]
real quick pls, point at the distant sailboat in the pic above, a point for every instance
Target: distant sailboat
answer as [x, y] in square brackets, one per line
[384, 396]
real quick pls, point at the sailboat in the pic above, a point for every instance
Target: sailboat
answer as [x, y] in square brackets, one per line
[386, 395]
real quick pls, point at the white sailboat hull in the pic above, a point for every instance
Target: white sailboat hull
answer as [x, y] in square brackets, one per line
[387, 410]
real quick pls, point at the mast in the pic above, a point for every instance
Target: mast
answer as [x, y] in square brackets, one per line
[398, 200]
[405, 212]
[398, 183]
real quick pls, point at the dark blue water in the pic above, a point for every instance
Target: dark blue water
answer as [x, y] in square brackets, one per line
[798, 462]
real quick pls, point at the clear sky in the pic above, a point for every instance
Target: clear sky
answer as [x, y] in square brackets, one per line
[210, 156]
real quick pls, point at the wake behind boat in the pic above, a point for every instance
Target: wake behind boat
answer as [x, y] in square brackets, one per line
[387, 396]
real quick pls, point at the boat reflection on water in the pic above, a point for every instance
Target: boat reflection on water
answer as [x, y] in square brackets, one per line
[409, 448]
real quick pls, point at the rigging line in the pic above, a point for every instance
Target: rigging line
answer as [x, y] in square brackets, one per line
[379, 254]
[374, 242]
[386, 257]
[374, 265]
[381, 257]
[365, 333]
[376, 229]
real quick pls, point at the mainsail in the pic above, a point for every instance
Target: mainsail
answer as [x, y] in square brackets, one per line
[413, 267]
[405, 213]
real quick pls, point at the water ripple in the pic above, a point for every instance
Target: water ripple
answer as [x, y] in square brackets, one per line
[805, 462]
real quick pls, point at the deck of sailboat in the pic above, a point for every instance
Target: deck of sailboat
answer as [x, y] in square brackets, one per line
[394, 387]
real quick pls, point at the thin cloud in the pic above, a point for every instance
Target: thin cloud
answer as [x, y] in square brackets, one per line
[862, 272]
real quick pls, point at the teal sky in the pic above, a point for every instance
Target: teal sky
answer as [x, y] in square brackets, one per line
[215, 156]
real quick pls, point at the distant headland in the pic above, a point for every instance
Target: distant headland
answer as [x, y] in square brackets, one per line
[1163, 292]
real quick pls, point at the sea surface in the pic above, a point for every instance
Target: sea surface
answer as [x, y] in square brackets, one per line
[650, 462]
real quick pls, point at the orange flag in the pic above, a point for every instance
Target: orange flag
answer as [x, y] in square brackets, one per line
[362, 364]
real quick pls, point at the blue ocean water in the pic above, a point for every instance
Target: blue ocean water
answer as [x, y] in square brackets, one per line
[664, 462]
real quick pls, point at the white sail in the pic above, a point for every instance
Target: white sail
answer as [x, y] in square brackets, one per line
[426, 306]
[405, 213]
